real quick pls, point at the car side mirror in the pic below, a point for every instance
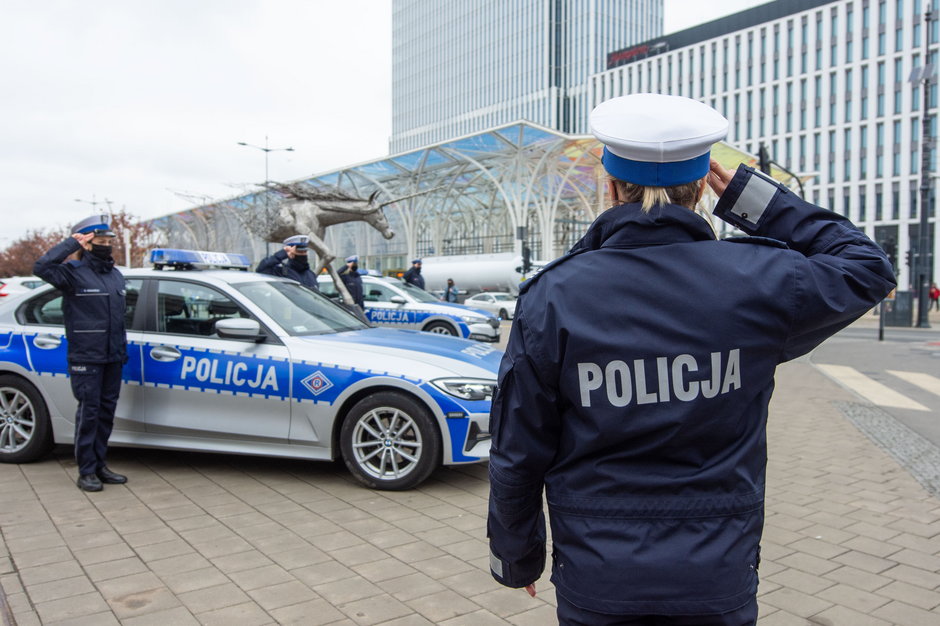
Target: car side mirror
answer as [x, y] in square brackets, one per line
[397, 300]
[239, 328]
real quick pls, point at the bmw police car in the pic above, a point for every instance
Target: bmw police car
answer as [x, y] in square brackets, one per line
[391, 302]
[239, 362]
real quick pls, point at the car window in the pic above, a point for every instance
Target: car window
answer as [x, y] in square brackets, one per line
[418, 294]
[43, 309]
[377, 292]
[299, 310]
[185, 308]
[503, 298]
[132, 287]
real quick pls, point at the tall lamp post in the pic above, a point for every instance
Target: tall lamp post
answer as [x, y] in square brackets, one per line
[921, 267]
[267, 150]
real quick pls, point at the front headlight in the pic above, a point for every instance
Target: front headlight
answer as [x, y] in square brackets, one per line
[472, 319]
[467, 388]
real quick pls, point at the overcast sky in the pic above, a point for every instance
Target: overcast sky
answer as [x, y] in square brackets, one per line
[142, 102]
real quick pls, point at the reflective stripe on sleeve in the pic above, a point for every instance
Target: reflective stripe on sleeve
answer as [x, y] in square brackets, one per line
[754, 199]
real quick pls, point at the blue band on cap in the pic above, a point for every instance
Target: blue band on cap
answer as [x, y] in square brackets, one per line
[93, 228]
[655, 174]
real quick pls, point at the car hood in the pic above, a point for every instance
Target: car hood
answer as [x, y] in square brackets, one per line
[400, 352]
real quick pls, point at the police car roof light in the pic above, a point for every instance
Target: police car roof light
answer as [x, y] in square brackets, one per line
[197, 259]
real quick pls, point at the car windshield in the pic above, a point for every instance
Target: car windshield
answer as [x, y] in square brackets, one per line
[418, 294]
[503, 297]
[299, 310]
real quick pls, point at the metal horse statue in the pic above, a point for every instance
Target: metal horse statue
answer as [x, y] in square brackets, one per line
[309, 211]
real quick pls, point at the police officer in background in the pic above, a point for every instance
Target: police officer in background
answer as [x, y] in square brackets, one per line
[291, 262]
[643, 414]
[93, 307]
[413, 276]
[353, 281]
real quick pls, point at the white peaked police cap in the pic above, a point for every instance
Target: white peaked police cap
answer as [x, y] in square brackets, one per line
[298, 241]
[99, 224]
[656, 140]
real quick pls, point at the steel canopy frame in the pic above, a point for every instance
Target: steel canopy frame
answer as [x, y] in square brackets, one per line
[477, 191]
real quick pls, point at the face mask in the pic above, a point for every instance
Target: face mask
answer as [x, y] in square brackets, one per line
[354, 267]
[101, 252]
[300, 263]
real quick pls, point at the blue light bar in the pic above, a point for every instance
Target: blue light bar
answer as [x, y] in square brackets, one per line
[197, 259]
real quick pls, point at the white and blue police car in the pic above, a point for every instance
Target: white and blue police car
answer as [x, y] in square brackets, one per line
[391, 302]
[239, 362]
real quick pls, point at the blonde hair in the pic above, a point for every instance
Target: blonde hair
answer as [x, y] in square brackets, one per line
[685, 194]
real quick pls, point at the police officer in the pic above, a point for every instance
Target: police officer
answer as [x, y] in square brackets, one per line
[413, 275]
[643, 414]
[353, 281]
[291, 262]
[93, 306]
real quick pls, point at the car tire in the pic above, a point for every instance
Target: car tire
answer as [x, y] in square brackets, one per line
[441, 328]
[379, 431]
[503, 314]
[25, 430]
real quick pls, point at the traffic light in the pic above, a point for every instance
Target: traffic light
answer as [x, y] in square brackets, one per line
[910, 257]
[526, 259]
[763, 159]
[891, 251]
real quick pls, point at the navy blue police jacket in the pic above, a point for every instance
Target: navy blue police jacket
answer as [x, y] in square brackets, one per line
[92, 303]
[413, 276]
[274, 265]
[635, 389]
[353, 282]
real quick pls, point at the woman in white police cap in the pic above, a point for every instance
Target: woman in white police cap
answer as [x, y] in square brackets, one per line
[291, 262]
[93, 307]
[639, 368]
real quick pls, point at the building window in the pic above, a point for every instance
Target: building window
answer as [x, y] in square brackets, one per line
[913, 200]
[878, 201]
[862, 202]
[895, 202]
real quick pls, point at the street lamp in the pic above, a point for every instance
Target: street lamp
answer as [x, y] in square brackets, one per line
[266, 151]
[921, 266]
[94, 202]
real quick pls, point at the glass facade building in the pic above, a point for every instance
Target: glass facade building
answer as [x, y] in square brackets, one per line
[825, 87]
[460, 67]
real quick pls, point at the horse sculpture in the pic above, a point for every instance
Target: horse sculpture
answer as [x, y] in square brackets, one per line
[309, 211]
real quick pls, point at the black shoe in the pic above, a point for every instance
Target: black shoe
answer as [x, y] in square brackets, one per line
[110, 478]
[89, 482]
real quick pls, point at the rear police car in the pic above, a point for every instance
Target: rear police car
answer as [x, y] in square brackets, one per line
[238, 362]
[391, 302]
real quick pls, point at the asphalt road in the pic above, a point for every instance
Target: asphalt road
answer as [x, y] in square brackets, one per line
[903, 351]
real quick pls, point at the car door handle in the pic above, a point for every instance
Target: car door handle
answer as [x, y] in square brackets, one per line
[47, 342]
[164, 353]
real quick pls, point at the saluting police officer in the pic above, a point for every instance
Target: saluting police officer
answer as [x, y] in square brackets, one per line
[93, 306]
[643, 412]
[291, 262]
[353, 281]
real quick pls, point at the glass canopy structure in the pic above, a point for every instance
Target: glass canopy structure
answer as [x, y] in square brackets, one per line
[478, 194]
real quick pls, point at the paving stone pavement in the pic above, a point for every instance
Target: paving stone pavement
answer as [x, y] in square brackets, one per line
[851, 539]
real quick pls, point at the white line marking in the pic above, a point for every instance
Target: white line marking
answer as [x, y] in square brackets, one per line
[924, 381]
[870, 389]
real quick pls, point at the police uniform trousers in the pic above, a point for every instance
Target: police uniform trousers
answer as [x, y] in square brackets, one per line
[96, 386]
[571, 615]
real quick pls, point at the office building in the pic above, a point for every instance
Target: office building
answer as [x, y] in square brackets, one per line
[462, 66]
[825, 86]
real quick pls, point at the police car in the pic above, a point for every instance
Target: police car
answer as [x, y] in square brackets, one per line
[239, 362]
[391, 302]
